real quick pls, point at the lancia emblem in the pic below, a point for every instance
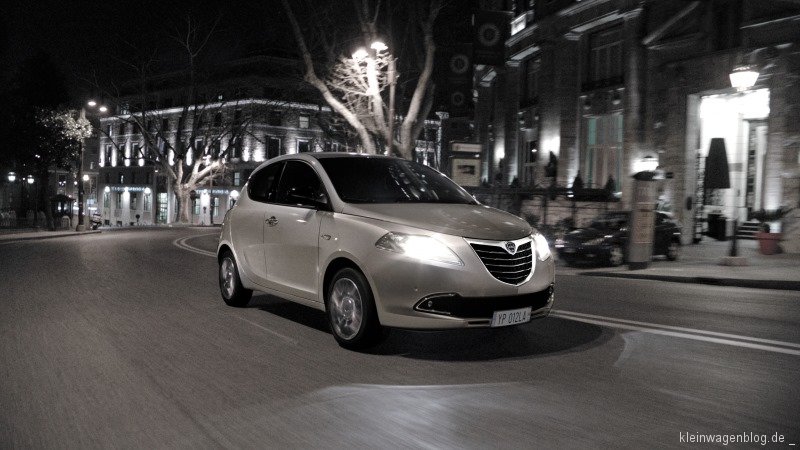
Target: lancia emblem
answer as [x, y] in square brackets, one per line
[511, 247]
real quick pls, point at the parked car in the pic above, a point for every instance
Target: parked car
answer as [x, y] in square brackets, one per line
[605, 240]
[380, 242]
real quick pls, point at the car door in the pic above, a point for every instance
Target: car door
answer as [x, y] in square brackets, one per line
[291, 231]
[248, 221]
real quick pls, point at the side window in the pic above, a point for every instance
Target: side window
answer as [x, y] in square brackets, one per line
[301, 186]
[263, 184]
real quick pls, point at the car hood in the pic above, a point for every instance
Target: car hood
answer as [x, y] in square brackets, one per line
[470, 221]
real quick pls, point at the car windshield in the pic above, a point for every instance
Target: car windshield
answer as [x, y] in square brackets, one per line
[388, 180]
[610, 222]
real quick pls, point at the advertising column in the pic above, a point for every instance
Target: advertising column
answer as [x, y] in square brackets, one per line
[642, 227]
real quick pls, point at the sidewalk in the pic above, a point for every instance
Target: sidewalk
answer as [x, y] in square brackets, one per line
[27, 234]
[699, 263]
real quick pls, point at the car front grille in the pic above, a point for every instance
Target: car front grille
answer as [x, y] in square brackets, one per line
[508, 268]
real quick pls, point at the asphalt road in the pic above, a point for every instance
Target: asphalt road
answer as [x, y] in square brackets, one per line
[121, 340]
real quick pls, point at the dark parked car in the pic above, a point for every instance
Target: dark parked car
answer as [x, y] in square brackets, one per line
[606, 239]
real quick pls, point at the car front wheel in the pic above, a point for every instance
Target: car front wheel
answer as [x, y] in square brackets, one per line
[351, 310]
[230, 285]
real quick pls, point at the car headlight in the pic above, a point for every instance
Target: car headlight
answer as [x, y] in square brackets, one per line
[419, 247]
[542, 248]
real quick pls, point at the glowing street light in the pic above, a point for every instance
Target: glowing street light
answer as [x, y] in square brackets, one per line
[91, 104]
[743, 77]
[360, 54]
[12, 177]
[30, 179]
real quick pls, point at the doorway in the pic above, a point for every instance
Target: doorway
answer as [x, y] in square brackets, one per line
[740, 119]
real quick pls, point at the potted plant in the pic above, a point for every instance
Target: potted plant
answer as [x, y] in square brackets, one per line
[767, 240]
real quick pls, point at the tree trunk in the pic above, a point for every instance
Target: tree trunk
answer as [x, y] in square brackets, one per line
[182, 203]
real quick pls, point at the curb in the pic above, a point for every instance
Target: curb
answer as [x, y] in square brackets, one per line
[22, 237]
[784, 285]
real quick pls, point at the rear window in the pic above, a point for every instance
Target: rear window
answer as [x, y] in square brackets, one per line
[389, 180]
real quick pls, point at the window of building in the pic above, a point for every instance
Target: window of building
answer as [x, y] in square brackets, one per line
[602, 155]
[531, 81]
[121, 128]
[162, 208]
[164, 125]
[119, 200]
[218, 119]
[148, 178]
[237, 178]
[214, 206]
[303, 146]
[605, 58]
[148, 202]
[109, 130]
[196, 206]
[273, 147]
[134, 200]
[235, 147]
[275, 119]
[133, 177]
[106, 199]
[303, 121]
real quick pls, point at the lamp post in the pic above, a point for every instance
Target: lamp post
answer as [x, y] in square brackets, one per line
[30, 181]
[81, 225]
[743, 77]
[370, 58]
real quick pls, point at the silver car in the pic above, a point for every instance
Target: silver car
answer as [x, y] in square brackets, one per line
[380, 242]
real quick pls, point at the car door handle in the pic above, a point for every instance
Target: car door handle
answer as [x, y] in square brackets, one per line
[272, 221]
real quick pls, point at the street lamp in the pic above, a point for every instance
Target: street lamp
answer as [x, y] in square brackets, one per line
[362, 54]
[91, 104]
[12, 177]
[743, 77]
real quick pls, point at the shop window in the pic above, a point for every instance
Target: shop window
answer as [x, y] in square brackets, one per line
[148, 202]
[134, 200]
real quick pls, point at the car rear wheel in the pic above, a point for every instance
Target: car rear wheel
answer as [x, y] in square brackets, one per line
[351, 310]
[673, 250]
[615, 256]
[230, 285]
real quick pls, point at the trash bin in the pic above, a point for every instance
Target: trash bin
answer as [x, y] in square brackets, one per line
[717, 226]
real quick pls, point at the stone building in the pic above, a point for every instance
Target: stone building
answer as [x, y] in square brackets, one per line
[609, 87]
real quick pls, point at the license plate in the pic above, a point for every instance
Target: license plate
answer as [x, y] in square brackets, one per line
[511, 317]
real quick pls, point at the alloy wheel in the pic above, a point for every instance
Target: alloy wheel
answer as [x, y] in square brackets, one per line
[347, 308]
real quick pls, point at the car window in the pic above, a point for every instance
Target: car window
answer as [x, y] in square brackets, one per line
[301, 186]
[263, 185]
[388, 180]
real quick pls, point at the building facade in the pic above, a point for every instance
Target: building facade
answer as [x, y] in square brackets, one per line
[609, 87]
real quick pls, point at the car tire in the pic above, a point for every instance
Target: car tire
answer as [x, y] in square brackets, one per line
[350, 307]
[616, 256]
[230, 285]
[673, 250]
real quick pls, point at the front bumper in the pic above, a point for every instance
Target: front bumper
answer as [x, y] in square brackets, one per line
[460, 296]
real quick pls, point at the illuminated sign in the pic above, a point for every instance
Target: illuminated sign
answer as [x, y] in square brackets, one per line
[128, 188]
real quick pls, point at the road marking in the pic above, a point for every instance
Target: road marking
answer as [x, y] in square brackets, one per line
[181, 243]
[647, 327]
[285, 338]
[687, 333]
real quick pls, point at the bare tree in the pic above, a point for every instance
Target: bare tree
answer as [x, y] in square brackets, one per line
[191, 141]
[362, 88]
